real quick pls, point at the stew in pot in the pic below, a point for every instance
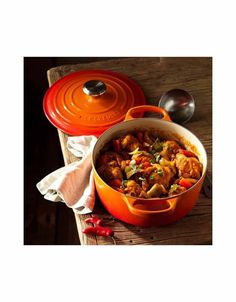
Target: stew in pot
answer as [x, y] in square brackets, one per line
[144, 165]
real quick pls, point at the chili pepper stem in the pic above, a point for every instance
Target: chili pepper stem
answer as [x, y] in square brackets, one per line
[113, 240]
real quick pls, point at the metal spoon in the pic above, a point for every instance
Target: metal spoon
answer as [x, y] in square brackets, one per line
[179, 104]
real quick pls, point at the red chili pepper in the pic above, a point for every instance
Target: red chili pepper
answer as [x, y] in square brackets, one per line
[95, 220]
[138, 160]
[185, 183]
[146, 164]
[187, 153]
[116, 145]
[99, 231]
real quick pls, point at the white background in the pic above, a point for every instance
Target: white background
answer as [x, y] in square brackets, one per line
[117, 28]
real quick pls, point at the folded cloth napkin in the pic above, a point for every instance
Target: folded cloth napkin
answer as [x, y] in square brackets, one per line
[73, 184]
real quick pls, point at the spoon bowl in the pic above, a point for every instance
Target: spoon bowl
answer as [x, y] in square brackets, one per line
[179, 104]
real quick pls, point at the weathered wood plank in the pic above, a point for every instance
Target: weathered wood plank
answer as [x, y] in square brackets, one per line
[156, 76]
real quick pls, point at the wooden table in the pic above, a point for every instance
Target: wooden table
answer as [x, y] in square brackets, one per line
[156, 76]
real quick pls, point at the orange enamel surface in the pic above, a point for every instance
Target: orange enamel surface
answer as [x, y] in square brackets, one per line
[132, 113]
[71, 110]
[148, 212]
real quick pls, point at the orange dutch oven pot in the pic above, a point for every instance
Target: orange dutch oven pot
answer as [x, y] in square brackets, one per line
[153, 211]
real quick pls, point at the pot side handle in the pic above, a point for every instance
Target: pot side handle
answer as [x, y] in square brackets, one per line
[138, 109]
[171, 204]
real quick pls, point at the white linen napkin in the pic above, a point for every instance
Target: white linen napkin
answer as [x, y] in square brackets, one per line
[73, 184]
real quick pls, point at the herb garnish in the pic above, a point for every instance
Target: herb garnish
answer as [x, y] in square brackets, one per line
[173, 188]
[124, 182]
[157, 157]
[152, 160]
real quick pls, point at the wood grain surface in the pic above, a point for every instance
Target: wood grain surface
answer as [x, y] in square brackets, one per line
[156, 76]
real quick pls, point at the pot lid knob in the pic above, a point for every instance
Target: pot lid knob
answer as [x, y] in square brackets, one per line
[94, 88]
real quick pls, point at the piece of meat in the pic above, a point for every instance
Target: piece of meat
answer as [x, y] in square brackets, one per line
[130, 143]
[134, 189]
[170, 148]
[147, 172]
[108, 157]
[169, 163]
[125, 155]
[188, 167]
[140, 158]
[161, 175]
[147, 138]
[109, 172]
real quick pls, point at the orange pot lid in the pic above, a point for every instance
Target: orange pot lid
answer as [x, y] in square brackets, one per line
[88, 102]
